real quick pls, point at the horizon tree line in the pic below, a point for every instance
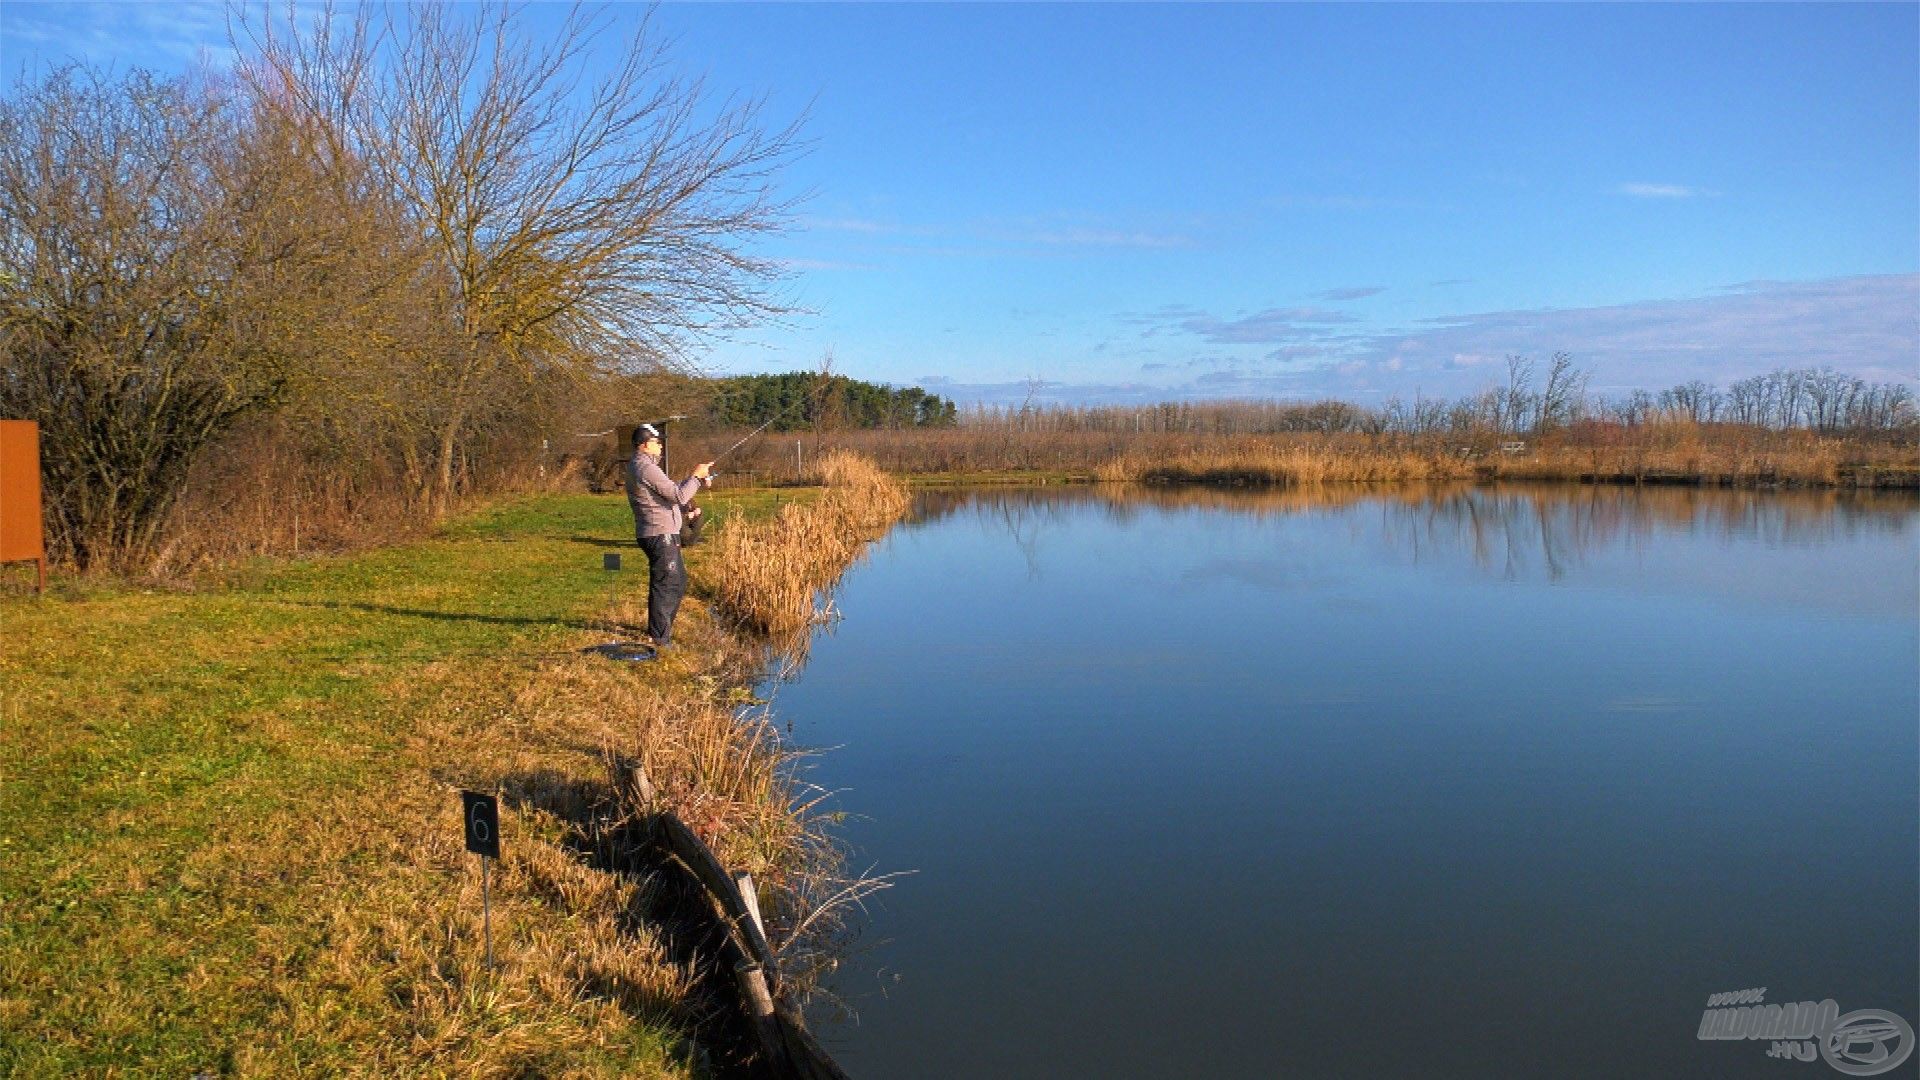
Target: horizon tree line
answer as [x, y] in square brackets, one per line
[1817, 399]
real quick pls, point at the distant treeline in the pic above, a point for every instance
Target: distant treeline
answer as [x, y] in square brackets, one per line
[808, 400]
[1816, 399]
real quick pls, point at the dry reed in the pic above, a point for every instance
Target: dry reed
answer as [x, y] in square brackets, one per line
[771, 574]
[1661, 451]
[1296, 465]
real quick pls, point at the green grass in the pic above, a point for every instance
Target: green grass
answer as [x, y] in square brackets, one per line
[199, 786]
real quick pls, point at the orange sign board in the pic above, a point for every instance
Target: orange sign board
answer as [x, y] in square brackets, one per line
[22, 530]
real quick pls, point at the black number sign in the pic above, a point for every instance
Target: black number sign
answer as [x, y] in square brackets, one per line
[483, 823]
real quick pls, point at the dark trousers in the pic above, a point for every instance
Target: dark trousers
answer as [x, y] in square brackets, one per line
[666, 584]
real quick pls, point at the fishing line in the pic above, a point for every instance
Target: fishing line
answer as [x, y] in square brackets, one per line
[813, 399]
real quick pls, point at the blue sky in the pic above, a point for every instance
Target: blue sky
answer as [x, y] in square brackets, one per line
[1144, 202]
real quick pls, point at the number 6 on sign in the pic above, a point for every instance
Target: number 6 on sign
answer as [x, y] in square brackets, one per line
[483, 823]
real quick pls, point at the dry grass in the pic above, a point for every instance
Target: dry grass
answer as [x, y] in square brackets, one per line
[260, 494]
[1260, 464]
[1666, 451]
[771, 574]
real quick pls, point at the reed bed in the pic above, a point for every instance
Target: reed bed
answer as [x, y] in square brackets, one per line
[1817, 465]
[771, 575]
[1665, 451]
[1257, 465]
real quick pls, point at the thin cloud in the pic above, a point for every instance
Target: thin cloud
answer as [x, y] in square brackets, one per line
[853, 225]
[175, 34]
[1160, 316]
[1047, 392]
[1293, 354]
[1644, 190]
[1107, 238]
[1272, 327]
[1357, 292]
[1865, 326]
[822, 264]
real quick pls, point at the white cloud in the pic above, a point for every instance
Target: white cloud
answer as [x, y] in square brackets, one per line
[1867, 326]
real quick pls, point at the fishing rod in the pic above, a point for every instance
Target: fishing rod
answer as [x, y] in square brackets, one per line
[813, 399]
[745, 437]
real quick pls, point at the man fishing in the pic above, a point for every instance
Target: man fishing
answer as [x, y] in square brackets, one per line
[658, 506]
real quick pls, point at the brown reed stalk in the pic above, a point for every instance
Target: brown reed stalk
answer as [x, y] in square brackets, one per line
[770, 576]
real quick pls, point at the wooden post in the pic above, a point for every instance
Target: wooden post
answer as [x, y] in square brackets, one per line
[781, 1031]
[644, 786]
[766, 1025]
[744, 881]
[755, 929]
[486, 909]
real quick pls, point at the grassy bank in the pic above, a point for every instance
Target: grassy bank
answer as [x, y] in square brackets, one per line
[233, 839]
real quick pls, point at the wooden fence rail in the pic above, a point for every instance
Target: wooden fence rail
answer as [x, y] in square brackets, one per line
[790, 1049]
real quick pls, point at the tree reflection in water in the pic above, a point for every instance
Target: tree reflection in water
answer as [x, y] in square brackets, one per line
[1507, 529]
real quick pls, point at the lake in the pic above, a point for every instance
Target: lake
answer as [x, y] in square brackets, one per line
[1437, 782]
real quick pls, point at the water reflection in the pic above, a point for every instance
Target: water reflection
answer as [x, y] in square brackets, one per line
[1189, 776]
[1513, 531]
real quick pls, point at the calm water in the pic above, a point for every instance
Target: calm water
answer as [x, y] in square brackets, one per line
[1436, 783]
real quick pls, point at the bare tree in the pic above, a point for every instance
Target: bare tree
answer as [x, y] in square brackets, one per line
[1694, 400]
[579, 228]
[1516, 398]
[1826, 392]
[1790, 402]
[1566, 385]
[158, 276]
[1747, 400]
[825, 404]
